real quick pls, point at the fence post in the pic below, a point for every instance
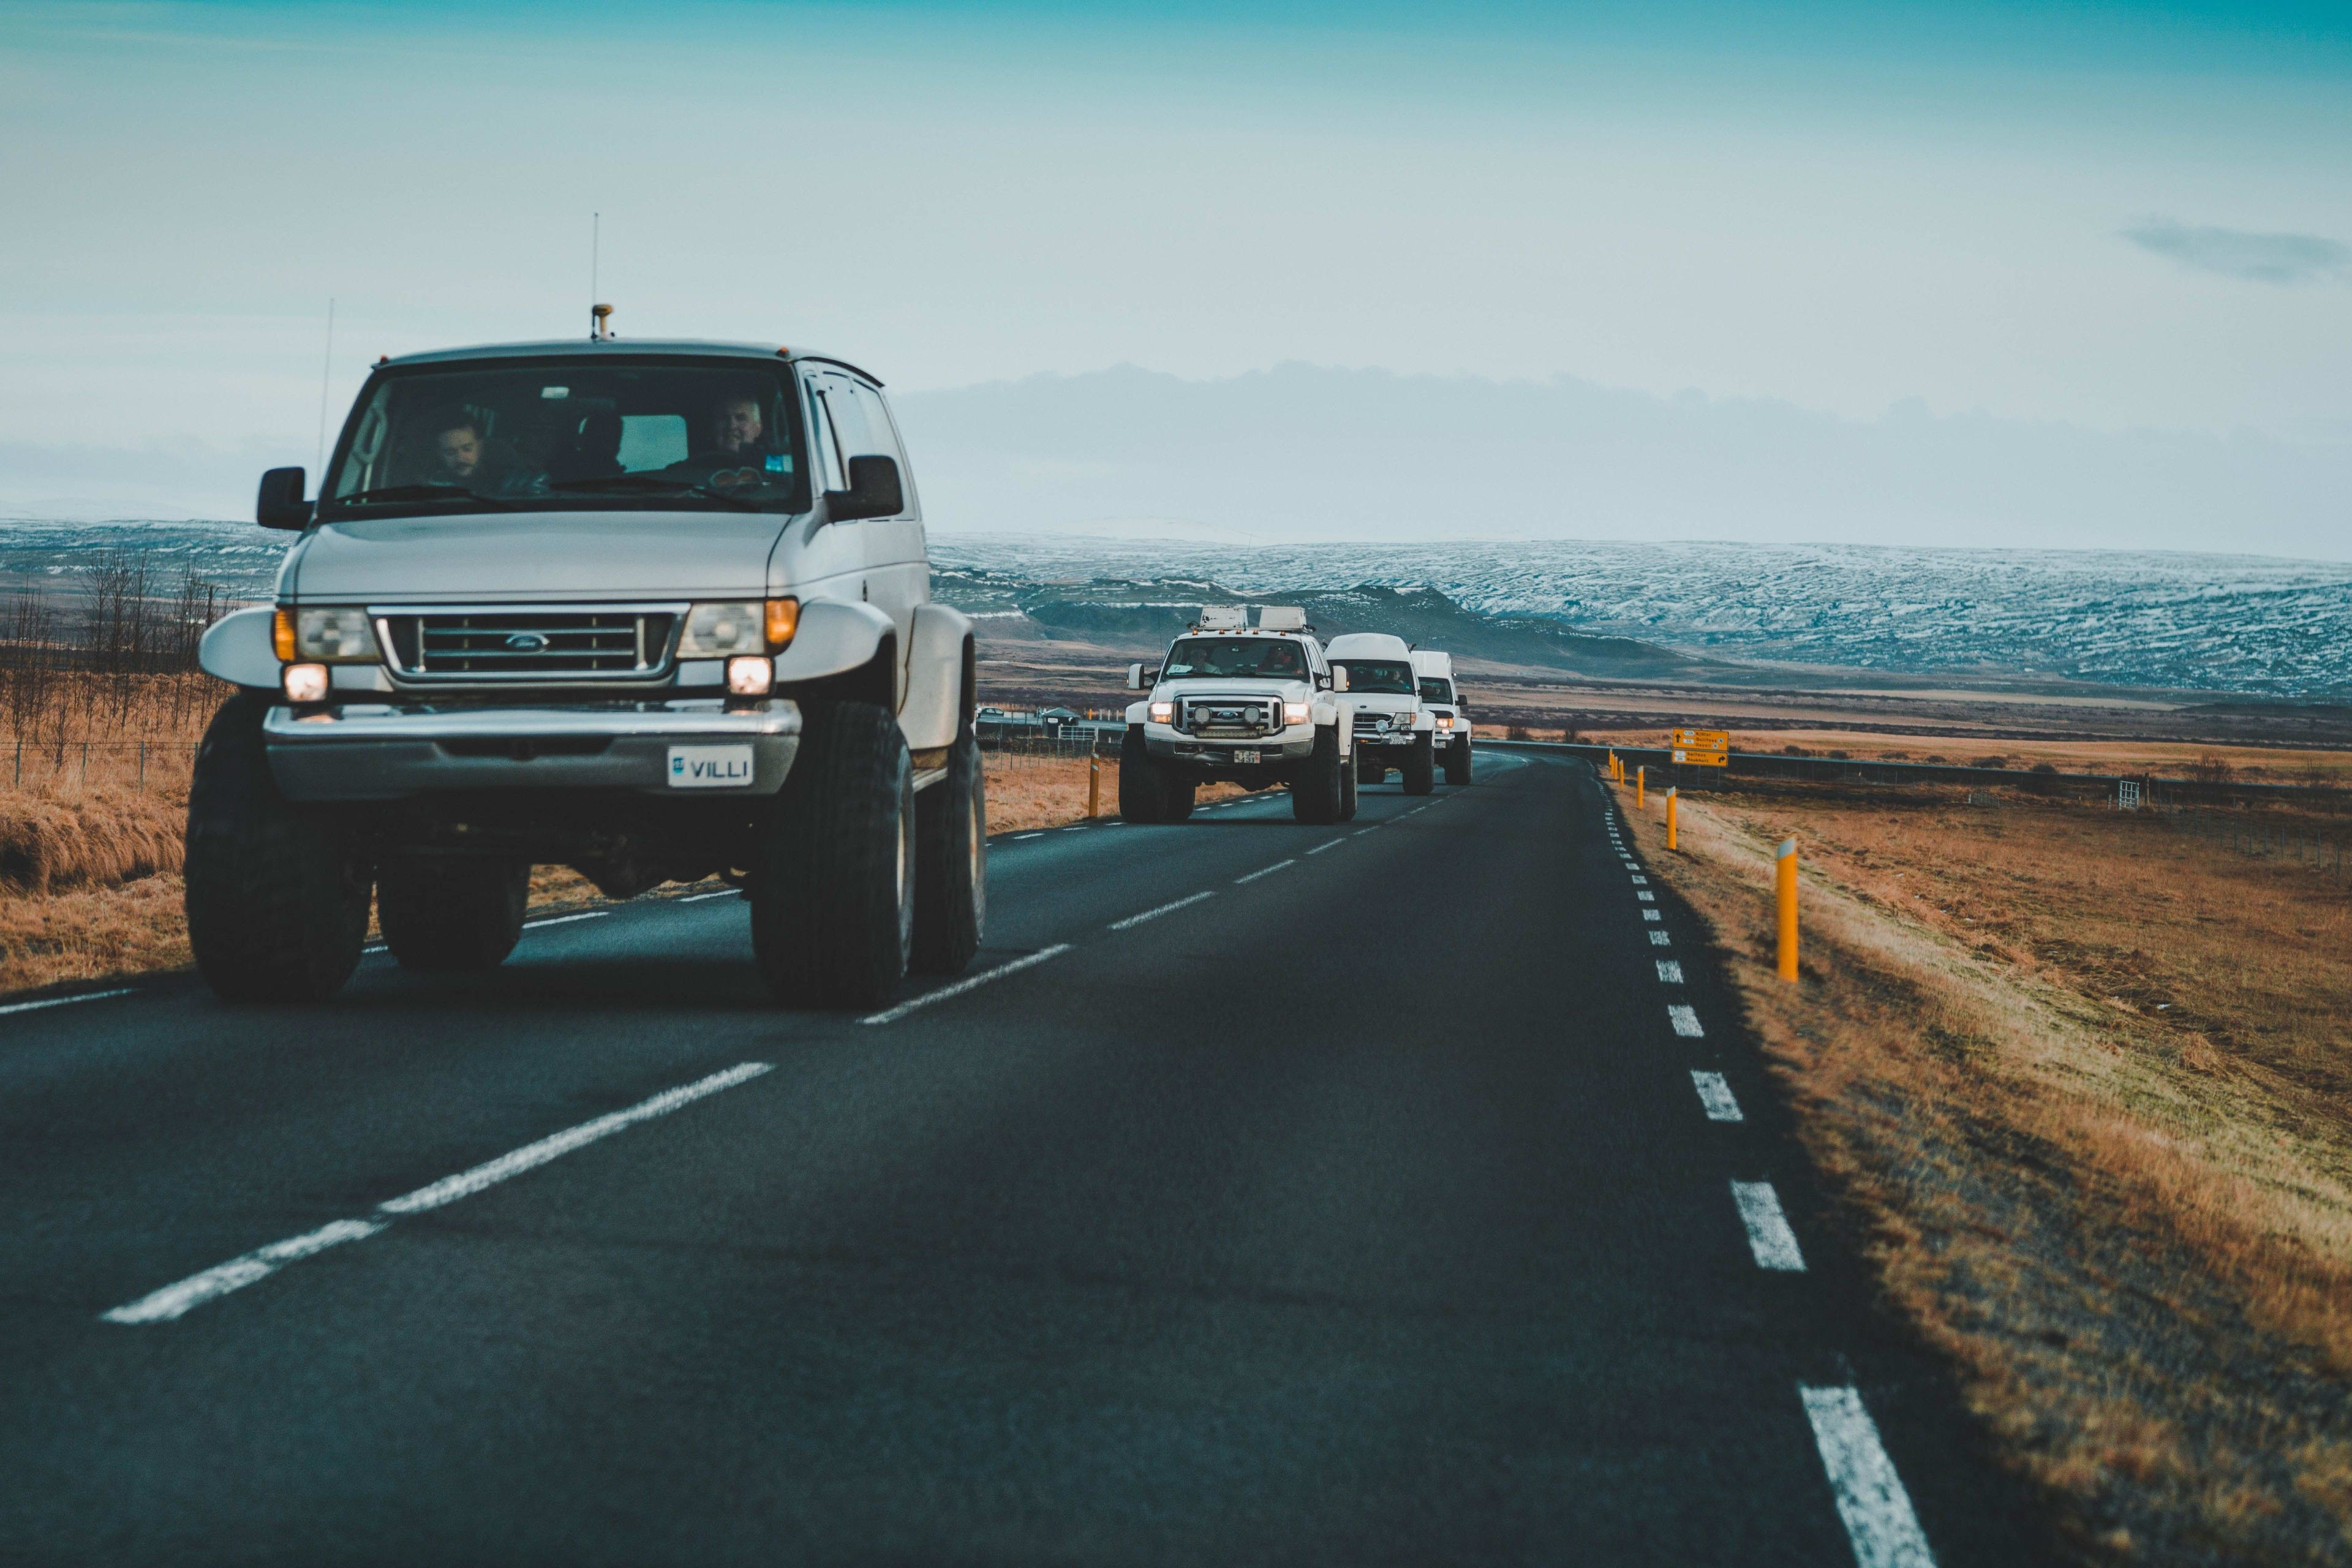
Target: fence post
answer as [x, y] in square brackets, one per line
[1784, 889]
[1094, 788]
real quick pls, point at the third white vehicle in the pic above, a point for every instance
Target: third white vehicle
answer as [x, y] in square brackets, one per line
[1393, 729]
[1433, 672]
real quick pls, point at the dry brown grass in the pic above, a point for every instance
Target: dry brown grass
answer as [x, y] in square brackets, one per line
[1028, 793]
[2086, 1090]
[2168, 759]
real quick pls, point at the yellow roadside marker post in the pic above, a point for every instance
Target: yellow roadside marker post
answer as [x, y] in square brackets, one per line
[1784, 885]
[1640, 780]
[1670, 815]
[1094, 788]
[1612, 768]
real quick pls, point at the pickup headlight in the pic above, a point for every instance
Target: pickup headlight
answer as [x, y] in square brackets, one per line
[1445, 720]
[331, 637]
[1295, 712]
[1163, 712]
[748, 626]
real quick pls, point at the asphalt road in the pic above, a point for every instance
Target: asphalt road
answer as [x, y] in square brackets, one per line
[1364, 1208]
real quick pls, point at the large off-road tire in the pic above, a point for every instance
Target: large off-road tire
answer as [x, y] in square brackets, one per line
[1142, 797]
[1315, 787]
[1176, 795]
[1349, 792]
[1370, 766]
[833, 873]
[450, 913]
[1457, 761]
[1419, 768]
[951, 864]
[278, 905]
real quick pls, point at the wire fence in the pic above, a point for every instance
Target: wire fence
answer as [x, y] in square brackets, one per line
[55, 763]
[2287, 843]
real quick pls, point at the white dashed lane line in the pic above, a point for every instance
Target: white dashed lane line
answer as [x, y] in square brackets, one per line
[697, 898]
[1670, 970]
[1162, 910]
[971, 982]
[1652, 915]
[64, 1001]
[1716, 1098]
[1686, 1021]
[1268, 871]
[1768, 1235]
[1039, 834]
[176, 1301]
[1333, 844]
[565, 919]
[1871, 1500]
[1647, 897]
[1659, 937]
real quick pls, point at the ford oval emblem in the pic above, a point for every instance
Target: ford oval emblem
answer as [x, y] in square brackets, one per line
[527, 642]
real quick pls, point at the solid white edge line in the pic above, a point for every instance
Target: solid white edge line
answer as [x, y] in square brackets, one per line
[465, 1184]
[175, 1299]
[565, 919]
[1164, 908]
[960, 986]
[1879, 1521]
[1268, 871]
[1768, 1235]
[1716, 1098]
[64, 1001]
[1685, 1018]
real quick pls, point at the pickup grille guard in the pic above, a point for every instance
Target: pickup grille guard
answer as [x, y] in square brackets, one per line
[1243, 717]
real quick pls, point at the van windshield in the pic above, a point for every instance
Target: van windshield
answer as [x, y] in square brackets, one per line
[1389, 674]
[1436, 688]
[1232, 659]
[571, 434]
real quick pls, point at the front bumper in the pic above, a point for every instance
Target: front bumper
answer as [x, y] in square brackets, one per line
[374, 750]
[1293, 744]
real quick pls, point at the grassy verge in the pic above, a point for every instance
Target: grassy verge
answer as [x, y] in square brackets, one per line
[2084, 1089]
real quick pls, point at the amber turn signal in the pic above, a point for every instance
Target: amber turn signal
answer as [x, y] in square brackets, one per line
[281, 636]
[784, 620]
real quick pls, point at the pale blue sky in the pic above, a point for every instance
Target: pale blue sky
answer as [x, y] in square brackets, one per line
[2100, 215]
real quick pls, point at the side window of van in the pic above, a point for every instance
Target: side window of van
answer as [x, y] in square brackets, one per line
[824, 435]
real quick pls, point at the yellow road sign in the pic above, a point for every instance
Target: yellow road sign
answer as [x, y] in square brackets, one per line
[1703, 748]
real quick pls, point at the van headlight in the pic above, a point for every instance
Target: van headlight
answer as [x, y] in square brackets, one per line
[331, 637]
[736, 627]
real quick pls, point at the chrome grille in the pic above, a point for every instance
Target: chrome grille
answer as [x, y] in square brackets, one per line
[562, 644]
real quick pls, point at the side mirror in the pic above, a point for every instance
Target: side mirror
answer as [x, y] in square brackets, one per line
[1339, 678]
[873, 491]
[1135, 678]
[281, 503]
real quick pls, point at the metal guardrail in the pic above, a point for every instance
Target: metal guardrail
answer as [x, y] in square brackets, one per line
[1860, 770]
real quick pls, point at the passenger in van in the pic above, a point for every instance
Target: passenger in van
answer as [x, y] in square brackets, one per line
[470, 462]
[593, 451]
[741, 450]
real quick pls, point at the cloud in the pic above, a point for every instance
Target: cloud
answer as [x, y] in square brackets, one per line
[2235, 253]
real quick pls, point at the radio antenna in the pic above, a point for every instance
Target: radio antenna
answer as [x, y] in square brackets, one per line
[326, 373]
[595, 255]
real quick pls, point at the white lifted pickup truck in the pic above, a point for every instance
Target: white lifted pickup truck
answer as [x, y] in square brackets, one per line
[1433, 672]
[657, 611]
[1232, 701]
[1393, 729]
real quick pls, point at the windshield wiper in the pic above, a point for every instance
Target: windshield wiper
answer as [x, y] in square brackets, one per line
[657, 482]
[419, 492]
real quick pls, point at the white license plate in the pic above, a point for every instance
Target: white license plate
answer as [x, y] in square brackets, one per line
[1245, 756]
[710, 767]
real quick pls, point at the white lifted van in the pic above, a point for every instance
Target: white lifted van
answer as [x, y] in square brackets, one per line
[1253, 705]
[1433, 672]
[657, 611]
[1393, 729]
